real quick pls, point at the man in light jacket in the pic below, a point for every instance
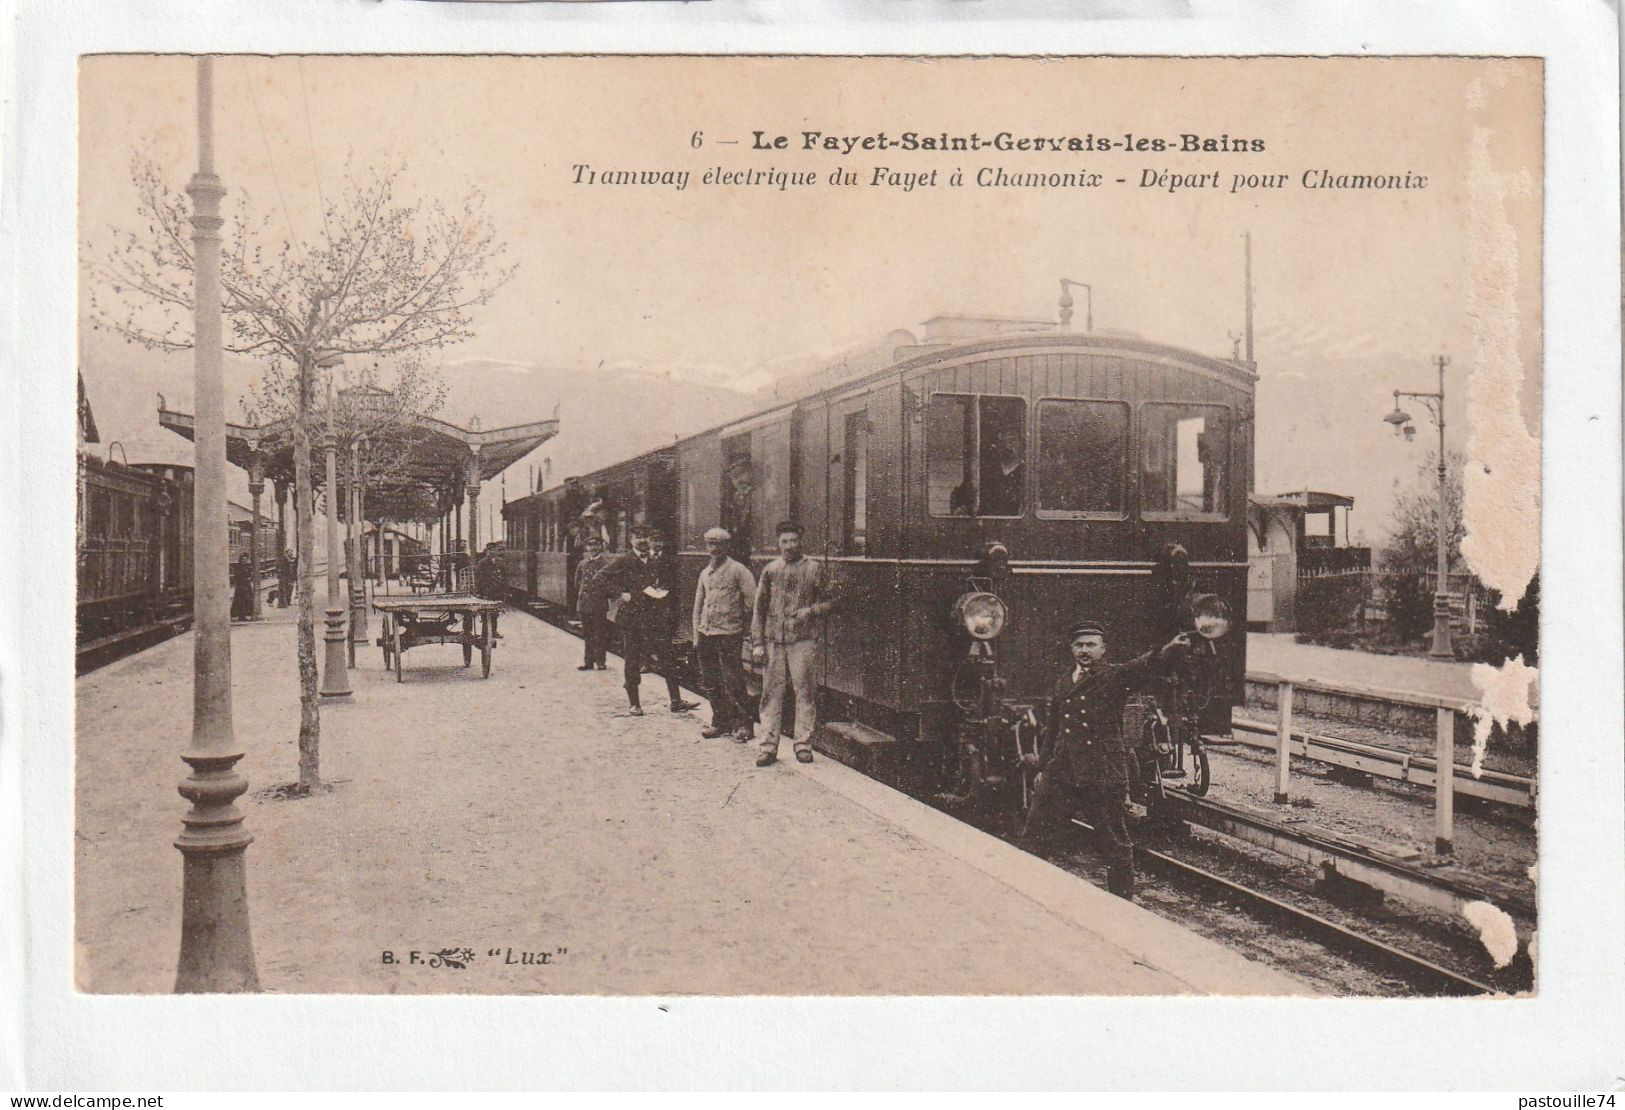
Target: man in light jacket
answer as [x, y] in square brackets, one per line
[723, 599]
[795, 593]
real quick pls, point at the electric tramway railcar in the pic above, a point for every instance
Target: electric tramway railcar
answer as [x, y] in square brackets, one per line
[974, 498]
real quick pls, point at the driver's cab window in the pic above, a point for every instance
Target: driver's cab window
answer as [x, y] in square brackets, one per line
[976, 455]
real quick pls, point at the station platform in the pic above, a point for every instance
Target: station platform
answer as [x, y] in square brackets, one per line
[551, 844]
[1279, 653]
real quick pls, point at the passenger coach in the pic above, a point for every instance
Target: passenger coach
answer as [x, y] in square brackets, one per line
[1070, 474]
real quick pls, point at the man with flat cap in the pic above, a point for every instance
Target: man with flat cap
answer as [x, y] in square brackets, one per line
[1082, 757]
[723, 597]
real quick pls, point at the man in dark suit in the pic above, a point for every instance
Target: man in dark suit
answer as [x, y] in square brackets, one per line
[490, 580]
[592, 603]
[1082, 755]
[645, 618]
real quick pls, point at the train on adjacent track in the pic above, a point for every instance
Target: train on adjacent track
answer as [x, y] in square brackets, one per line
[134, 555]
[1061, 474]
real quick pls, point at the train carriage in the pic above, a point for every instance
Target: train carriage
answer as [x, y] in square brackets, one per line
[1091, 474]
[134, 546]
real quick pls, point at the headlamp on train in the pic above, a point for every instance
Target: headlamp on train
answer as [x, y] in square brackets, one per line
[1210, 616]
[981, 614]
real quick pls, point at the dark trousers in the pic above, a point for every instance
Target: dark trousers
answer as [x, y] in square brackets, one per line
[643, 649]
[595, 637]
[723, 676]
[1056, 798]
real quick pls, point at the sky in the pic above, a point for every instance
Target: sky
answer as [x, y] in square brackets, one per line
[731, 286]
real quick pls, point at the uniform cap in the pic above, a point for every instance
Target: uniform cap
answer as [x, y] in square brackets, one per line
[718, 534]
[1086, 628]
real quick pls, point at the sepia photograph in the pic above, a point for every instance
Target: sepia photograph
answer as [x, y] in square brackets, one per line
[858, 526]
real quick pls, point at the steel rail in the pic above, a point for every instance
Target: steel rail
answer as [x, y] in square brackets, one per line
[1378, 955]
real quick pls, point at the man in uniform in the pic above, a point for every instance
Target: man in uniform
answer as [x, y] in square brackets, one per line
[794, 594]
[723, 597]
[643, 617]
[1082, 756]
[592, 604]
[489, 581]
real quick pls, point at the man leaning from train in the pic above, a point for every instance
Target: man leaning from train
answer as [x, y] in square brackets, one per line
[645, 618]
[723, 598]
[795, 593]
[1082, 758]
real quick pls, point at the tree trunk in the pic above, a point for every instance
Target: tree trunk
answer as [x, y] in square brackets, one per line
[310, 720]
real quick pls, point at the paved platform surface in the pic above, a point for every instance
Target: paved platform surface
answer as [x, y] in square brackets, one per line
[1279, 653]
[528, 814]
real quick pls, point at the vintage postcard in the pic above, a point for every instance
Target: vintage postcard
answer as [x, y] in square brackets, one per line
[808, 525]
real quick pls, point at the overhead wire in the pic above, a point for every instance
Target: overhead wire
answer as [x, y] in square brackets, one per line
[276, 180]
[315, 161]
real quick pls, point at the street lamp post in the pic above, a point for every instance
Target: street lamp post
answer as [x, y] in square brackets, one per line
[357, 527]
[1401, 421]
[217, 950]
[335, 679]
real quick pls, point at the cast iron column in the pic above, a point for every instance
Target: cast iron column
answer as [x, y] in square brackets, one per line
[335, 680]
[473, 504]
[1442, 648]
[280, 490]
[217, 950]
[358, 560]
[256, 489]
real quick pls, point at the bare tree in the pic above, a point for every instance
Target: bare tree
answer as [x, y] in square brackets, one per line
[1412, 547]
[388, 278]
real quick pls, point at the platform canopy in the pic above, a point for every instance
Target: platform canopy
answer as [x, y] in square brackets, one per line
[421, 466]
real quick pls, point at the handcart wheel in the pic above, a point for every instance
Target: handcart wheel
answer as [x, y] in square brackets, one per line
[485, 643]
[400, 659]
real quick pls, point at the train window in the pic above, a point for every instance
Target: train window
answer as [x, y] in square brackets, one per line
[855, 464]
[976, 451]
[738, 484]
[1184, 452]
[1082, 458]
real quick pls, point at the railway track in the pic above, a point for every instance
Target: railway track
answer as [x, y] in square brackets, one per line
[1353, 863]
[1421, 973]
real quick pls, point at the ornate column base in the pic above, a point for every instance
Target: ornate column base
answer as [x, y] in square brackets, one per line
[1441, 648]
[217, 948]
[335, 676]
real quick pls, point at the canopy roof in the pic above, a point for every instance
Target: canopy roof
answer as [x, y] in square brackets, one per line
[434, 461]
[1310, 501]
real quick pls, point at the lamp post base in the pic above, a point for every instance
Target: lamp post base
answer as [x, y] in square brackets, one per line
[217, 949]
[1441, 647]
[335, 676]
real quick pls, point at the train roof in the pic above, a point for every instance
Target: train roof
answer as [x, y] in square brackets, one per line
[920, 357]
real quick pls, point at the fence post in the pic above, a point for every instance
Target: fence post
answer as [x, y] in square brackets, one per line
[1283, 740]
[1444, 754]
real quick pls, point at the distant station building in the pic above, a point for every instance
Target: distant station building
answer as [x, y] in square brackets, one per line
[1293, 538]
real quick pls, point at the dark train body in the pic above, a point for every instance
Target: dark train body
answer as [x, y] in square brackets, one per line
[134, 551]
[1091, 459]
